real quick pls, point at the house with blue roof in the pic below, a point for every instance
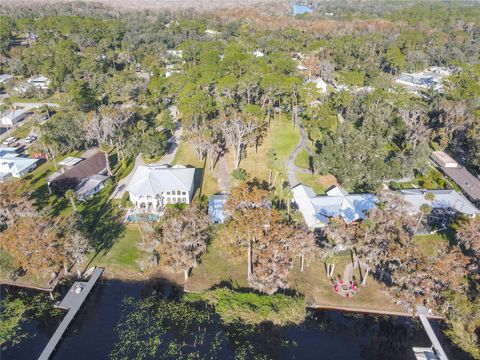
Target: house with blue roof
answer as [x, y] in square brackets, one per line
[216, 204]
[16, 167]
[8, 152]
[317, 210]
[447, 200]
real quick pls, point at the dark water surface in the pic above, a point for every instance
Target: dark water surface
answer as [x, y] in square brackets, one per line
[323, 335]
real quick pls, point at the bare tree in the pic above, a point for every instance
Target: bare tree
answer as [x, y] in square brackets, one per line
[469, 235]
[453, 116]
[326, 69]
[238, 134]
[77, 247]
[250, 214]
[100, 130]
[415, 125]
[303, 243]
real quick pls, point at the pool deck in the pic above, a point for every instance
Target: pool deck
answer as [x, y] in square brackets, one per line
[72, 302]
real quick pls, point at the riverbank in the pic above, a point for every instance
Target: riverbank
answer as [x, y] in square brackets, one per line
[120, 317]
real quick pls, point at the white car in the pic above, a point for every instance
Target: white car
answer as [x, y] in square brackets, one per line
[10, 140]
[30, 139]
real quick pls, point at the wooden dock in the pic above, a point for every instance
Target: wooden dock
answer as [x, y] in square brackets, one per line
[437, 347]
[72, 302]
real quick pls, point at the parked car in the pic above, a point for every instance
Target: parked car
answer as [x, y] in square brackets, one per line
[30, 139]
[10, 140]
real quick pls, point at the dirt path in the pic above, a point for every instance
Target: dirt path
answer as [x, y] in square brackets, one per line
[290, 163]
[222, 172]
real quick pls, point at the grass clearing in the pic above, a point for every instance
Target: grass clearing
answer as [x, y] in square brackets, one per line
[253, 308]
[121, 258]
[23, 130]
[427, 245]
[282, 138]
[217, 267]
[318, 183]
[317, 288]
[303, 159]
[186, 156]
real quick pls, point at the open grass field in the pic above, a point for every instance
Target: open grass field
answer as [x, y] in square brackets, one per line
[186, 156]
[217, 267]
[281, 139]
[121, 259]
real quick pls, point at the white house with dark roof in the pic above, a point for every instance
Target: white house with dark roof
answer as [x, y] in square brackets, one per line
[152, 187]
[317, 210]
[449, 200]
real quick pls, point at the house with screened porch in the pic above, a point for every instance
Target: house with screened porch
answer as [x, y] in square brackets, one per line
[152, 187]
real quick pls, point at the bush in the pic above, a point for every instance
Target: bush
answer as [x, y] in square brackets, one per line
[253, 308]
[125, 202]
[239, 174]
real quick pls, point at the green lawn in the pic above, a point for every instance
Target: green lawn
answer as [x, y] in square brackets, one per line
[186, 156]
[121, 258]
[216, 267]
[23, 130]
[281, 138]
[427, 244]
[318, 183]
[303, 159]
[317, 288]
[219, 266]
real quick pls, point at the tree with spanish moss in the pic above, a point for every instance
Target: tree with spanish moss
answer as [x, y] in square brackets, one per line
[184, 234]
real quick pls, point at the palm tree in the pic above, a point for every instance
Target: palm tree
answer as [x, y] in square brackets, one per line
[425, 209]
[105, 148]
[142, 126]
[330, 261]
[70, 195]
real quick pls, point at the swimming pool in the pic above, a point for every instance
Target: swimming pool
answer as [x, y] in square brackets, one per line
[142, 217]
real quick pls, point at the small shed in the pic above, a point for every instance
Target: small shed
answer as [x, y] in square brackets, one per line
[216, 204]
[70, 161]
[443, 159]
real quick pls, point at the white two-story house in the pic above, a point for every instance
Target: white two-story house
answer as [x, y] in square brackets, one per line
[152, 187]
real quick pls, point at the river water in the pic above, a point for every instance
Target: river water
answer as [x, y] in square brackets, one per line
[323, 335]
[299, 9]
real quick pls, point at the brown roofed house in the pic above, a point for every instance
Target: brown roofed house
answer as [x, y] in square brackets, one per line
[70, 178]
